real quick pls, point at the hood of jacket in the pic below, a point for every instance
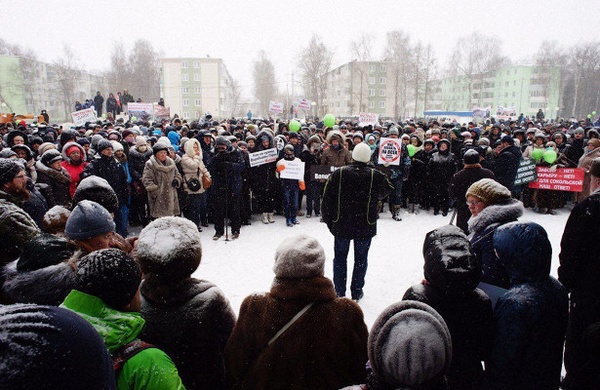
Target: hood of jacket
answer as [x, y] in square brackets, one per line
[450, 264]
[67, 146]
[262, 135]
[524, 250]
[189, 148]
[498, 213]
[116, 328]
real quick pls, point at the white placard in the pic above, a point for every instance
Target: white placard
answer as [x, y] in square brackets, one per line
[263, 157]
[390, 150]
[293, 170]
[304, 104]
[367, 118]
[144, 111]
[276, 107]
[82, 116]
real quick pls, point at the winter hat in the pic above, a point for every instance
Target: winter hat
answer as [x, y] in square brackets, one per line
[595, 167]
[489, 191]
[42, 251]
[50, 157]
[409, 345]
[9, 168]
[361, 153]
[116, 146]
[103, 144]
[449, 262]
[579, 130]
[111, 275]
[45, 147]
[594, 142]
[72, 148]
[471, 156]
[159, 146]
[7, 153]
[299, 257]
[508, 139]
[169, 248]
[140, 141]
[97, 189]
[55, 220]
[126, 133]
[25, 148]
[88, 219]
[83, 141]
[45, 347]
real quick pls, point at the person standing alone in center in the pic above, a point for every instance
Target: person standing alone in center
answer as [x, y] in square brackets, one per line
[349, 208]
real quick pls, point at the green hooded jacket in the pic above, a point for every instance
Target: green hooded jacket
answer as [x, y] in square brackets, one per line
[149, 369]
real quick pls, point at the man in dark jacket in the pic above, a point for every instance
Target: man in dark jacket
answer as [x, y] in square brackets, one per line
[98, 101]
[350, 203]
[579, 271]
[505, 162]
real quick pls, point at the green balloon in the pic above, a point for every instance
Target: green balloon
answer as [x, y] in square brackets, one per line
[550, 156]
[294, 126]
[133, 119]
[593, 112]
[589, 116]
[537, 154]
[412, 149]
[329, 120]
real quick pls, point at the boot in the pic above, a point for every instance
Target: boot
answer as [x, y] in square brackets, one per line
[270, 218]
[288, 222]
[396, 212]
[264, 218]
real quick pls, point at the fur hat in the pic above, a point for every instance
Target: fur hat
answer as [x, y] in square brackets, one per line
[88, 219]
[594, 142]
[299, 257]
[361, 153]
[9, 168]
[103, 144]
[42, 251]
[111, 275]
[489, 191]
[169, 248]
[471, 156]
[36, 342]
[595, 167]
[50, 157]
[97, 189]
[409, 345]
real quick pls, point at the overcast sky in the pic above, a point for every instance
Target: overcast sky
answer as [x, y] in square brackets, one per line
[236, 30]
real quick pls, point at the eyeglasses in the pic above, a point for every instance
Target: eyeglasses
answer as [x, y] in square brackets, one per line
[473, 202]
[21, 176]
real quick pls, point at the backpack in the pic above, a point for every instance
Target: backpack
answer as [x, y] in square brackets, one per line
[128, 351]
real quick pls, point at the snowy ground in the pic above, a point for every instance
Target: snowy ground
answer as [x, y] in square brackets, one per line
[244, 266]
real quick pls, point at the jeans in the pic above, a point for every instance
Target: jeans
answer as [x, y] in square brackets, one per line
[341, 247]
[195, 208]
[122, 220]
[291, 202]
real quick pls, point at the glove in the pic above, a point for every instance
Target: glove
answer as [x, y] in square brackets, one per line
[386, 164]
[175, 183]
[302, 185]
[280, 168]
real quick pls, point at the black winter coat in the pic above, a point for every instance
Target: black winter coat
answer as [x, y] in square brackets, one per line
[226, 171]
[191, 321]
[137, 162]
[459, 185]
[350, 199]
[452, 274]
[109, 169]
[440, 169]
[505, 166]
[58, 183]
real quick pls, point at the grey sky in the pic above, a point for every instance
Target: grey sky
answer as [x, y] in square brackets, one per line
[236, 30]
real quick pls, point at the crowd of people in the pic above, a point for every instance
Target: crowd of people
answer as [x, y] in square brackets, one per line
[70, 193]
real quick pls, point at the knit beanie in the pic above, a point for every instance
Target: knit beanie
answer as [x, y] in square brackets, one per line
[44, 147]
[88, 219]
[299, 257]
[9, 168]
[97, 189]
[139, 141]
[7, 153]
[116, 145]
[595, 167]
[409, 345]
[471, 156]
[489, 191]
[361, 153]
[103, 144]
[169, 248]
[51, 156]
[42, 251]
[111, 275]
[45, 347]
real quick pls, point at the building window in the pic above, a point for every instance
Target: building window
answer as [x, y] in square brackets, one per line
[184, 77]
[514, 94]
[371, 92]
[196, 77]
[196, 64]
[186, 102]
[506, 83]
[383, 68]
[371, 80]
[184, 64]
[372, 68]
[185, 90]
[197, 102]
[382, 92]
[186, 115]
[505, 94]
[381, 104]
[382, 80]
[515, 83]
[339, 93]
[197, 90]
[371, 104]
[196, 115]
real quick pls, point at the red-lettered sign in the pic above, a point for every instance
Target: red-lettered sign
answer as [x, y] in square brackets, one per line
[560, 179]
[390, 150]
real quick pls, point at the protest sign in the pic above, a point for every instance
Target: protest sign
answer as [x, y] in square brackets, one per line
[526, 172]
[143, 111]
[304, 104]
[559, 179]
[276, 107]
[161, 112]
[263, 157]
[321, 172]
[366, 118]
[293, 170]
[82, 116]
[389, 151]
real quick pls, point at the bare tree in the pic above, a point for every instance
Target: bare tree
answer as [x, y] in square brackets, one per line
[397, 53]
[315, 61]
[361, 54]
[119, 74]
[234, 93]
[551, 61]
[145, 71]
[474, 58]
[67, 72]
[585, 75]
[265, 84]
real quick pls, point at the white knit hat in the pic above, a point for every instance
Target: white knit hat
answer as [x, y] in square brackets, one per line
[361, 153]
[299, 257]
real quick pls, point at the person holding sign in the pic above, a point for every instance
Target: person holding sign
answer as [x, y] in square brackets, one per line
[350, 210]
[291, 187]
